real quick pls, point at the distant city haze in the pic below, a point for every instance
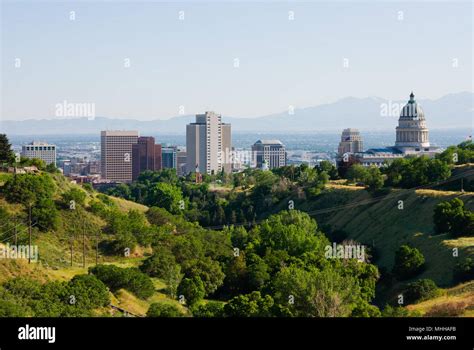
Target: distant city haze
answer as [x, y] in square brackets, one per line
[154, 60]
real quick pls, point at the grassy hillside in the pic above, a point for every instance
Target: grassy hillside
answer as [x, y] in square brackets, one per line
[54, 248]
[380, 222]
[456, 301]
[376, 220]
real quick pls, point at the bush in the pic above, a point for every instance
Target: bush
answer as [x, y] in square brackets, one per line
[420, 290]
[210, 309]
[408, 262]
[130, 279]
[192, 289]
[398, 311]
[158, 264]
[11, 309]
[73, 195]
[452, 216]
[163, 310]
[249, 305]
[89, 291]
[447, 310]
[464, 270]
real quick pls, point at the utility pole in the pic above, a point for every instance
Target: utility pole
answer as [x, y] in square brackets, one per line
[72, 235]
[29, 232]
[97, 248]
[84, 244]
[16, 238]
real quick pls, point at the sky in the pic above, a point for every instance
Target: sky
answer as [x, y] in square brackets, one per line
[241, 59]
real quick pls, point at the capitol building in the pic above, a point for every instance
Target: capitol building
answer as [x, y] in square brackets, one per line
[412, 139]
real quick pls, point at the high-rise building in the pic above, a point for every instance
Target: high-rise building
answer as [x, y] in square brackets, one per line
[169, 157]
[269, 154]
[40, 150]
[208, 144]
[351, 142]
[116, 154]
[146, 155]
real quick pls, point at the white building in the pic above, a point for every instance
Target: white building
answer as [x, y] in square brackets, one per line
[40, 150]
[208, 144]
[412, 139]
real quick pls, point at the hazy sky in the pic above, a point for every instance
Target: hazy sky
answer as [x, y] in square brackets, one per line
[191, 62]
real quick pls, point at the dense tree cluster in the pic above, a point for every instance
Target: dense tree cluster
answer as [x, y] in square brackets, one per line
[130, 279]
[453, 217]
[80, 296]
[416, 171]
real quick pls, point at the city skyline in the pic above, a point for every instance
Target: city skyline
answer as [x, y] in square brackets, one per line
[258, 62]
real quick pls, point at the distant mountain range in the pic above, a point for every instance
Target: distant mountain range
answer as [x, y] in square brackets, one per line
[450, 111]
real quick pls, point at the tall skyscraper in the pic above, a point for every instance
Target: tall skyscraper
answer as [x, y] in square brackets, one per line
[116, 154]
[269, 154]
[146, 155]
[208, 144]
[40, 150]
[351, 142]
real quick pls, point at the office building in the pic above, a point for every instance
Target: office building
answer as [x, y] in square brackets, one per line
[146, 155]
[208, 144]
[40, 150]
[268, 154]
[169, 157]
[116, 154]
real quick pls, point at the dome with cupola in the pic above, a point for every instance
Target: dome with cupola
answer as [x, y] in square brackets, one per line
[411, 130]
[412, 110]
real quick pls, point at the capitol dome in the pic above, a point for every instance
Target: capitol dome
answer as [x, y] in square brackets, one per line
[411, 130]
[412, 110]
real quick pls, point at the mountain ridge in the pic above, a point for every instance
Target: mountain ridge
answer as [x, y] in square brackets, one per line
[454, 110]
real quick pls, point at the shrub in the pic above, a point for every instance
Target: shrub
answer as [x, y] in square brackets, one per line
[163, 310]
[408, 262]
[89, 291]
[420, 290]
[447, 310]
[192, 289]
[130, 279]
[464, 270]
[210, 309]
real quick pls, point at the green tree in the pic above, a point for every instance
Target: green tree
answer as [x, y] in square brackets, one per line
[167, 196]
[464, 270]
[329, 168]
[249, 305]
[408, 262]
[192, 289]
[163, 310]
[357, 173]
[88, 291]
[315, 293]
[6, 153]
[420, 290]
[209, 309]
